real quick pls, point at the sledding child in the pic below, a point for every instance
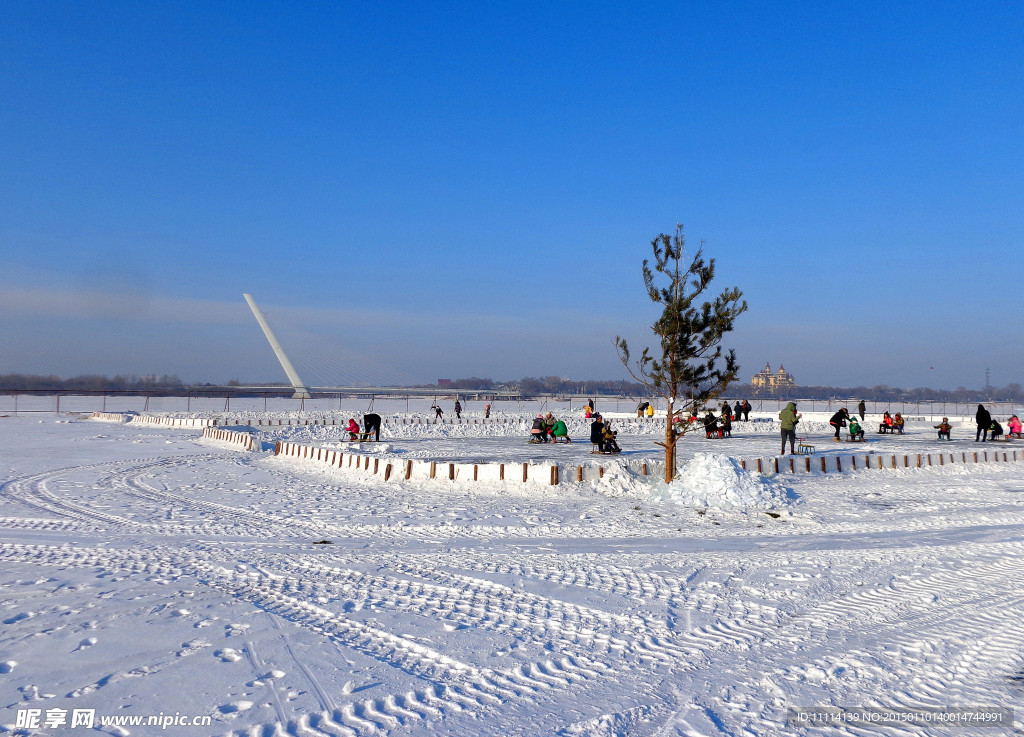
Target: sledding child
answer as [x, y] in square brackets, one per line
[610, 446]
[856, 431]
[897, 423]
[726, 425]
[995, 430]
[539, 431]
[886, 425]
[352, 429]
[1015, 427]
[549, 425]
[560, 433]
[944, 429]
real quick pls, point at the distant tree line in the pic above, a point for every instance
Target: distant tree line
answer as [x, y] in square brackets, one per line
[529, 385]
[880, 392]
[128, 382]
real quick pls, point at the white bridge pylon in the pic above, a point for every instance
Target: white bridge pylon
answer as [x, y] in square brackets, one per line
[301, 391]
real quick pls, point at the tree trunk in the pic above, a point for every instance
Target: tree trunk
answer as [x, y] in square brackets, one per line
[670, 447]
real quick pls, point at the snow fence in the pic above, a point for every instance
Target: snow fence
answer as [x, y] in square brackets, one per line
[390, 468]
[149, 421]
[110, 416]
[553, 474]
[241, 440]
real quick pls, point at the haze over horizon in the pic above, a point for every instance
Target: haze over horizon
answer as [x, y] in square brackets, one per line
[462, 189]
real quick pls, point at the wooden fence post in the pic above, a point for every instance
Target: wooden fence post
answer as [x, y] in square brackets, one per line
[554, 475]
[433, 469]
[525, 467]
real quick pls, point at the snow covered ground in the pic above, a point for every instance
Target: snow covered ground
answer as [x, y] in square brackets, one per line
[144, 572]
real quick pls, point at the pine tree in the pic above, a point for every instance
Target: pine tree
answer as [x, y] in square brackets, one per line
[691, 368]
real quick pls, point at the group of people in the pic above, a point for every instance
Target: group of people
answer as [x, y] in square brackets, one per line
[371, 426]
[547, 429]
[602, 435]
[891, 424]
[439, 413]
[989, 427]
[718, 426]
[741, 412]
[842, 418]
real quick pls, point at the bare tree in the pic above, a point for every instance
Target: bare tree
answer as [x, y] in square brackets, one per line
[690, 369]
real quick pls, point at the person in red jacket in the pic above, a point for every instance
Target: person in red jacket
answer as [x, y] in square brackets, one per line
[352, 429]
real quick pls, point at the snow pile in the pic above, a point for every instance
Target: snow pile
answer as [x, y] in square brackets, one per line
[711, 480]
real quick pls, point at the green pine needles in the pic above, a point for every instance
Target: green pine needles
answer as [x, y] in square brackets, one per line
[690, 369]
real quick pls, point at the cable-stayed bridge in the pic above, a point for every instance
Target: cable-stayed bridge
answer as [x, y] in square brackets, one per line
[336, 369]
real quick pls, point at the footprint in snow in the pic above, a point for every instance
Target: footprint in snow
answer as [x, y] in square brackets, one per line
[85, 644]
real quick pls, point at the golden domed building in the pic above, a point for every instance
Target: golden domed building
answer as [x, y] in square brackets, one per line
[768, 382]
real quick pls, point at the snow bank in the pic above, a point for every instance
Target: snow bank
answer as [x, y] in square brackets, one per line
[712, 480]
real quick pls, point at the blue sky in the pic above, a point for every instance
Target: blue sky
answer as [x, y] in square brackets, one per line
[425, 190]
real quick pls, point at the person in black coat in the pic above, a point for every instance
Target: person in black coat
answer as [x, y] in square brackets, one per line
[710, 425]
[838, 421]
[738, 411]
[597, 432]
[984, 420]
[371, 426]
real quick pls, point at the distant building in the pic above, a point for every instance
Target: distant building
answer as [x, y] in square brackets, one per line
[444, 382]
[768, 382]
